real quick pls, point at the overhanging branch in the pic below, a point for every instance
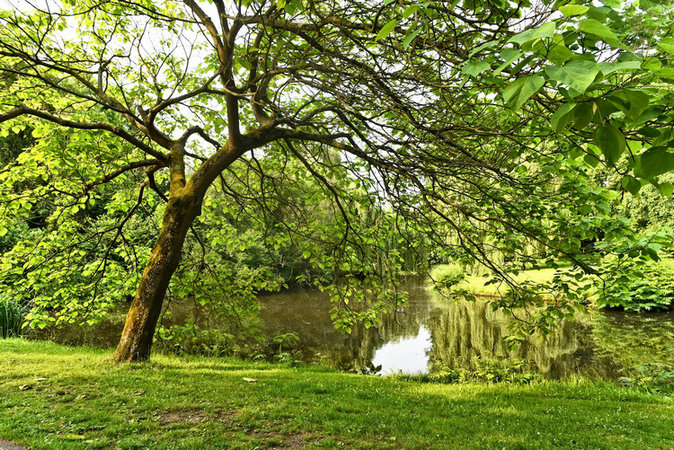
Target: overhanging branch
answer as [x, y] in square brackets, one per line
[116, 130]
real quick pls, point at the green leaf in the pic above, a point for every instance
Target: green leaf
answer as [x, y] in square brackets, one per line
[72, 437]
[410, 10]
[649, 132]
[611, 142]
[667, 45]
[615, 4]
[591, 160]
[386, 30]
[544, 31]
[666, 189]
[636, 101]
[488, 44]
[608, 68]
[651, 63]
[578, 75]
[598, 29]
[561, 118]
[293, 6]
[410, 37]
[631, 184]
[664, 137]
[519, 91]
[583, 114]
[474, 69]
[653, 162]
[573, 10]
[669, 48]
[604, 109]
[558, 52]
[509, 55]
[666, 72]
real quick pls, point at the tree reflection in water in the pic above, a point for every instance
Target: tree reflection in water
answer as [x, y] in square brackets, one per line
[431, 330]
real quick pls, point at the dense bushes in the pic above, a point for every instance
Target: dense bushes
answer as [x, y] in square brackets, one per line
[637, 287]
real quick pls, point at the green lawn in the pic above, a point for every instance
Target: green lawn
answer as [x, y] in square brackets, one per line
[77, 398]
[476, 283]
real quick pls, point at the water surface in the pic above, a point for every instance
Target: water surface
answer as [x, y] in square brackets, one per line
[432, 331]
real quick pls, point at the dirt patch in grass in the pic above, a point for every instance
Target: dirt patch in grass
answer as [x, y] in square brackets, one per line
[183, 416]
[270, 437]
[298, 440]
[195, 416]
[279, 439]
[5, 445]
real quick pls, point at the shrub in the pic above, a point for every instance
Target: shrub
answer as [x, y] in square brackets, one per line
[192, 340]
[11, 318]
[483, 371]
[638, 287]
[655, 378]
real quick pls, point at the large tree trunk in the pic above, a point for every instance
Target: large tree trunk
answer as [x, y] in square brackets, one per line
[141, 320]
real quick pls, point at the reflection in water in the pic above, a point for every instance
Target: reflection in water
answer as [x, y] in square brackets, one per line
[431, 330]
[406, 355]
[465, 331]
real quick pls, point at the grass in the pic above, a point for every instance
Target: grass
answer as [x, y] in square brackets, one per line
[475, 283]
[53, 396]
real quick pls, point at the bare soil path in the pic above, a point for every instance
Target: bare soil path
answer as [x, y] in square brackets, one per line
[4, 445]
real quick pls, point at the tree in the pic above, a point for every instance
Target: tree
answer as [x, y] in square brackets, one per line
[409, 93]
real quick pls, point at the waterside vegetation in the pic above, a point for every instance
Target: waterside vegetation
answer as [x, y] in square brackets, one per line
[637, 289]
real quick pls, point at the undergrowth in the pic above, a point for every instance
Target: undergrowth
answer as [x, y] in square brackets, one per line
[11, 318]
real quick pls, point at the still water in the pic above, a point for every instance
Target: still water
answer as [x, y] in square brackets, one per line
[432, 331]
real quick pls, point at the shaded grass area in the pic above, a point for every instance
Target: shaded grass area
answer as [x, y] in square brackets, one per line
[53, 396]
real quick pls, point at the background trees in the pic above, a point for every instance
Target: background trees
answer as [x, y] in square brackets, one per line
[408, 117]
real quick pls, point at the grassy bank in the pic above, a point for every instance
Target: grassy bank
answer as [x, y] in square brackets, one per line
[60, 397]
[475, 283]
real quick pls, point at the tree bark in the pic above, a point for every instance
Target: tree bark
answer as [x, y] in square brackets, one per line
[141, 320]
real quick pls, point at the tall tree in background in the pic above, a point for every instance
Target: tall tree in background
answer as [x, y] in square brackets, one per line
[423, 101]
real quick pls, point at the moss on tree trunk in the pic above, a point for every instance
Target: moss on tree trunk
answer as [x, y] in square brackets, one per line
[141, 320]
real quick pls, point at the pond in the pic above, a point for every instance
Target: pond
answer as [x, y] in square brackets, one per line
[432, 331]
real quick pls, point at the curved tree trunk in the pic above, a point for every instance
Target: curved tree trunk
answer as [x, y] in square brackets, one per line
[141, 320]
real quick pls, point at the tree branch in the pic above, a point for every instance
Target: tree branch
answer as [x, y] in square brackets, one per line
[116, 130]
[133, 165]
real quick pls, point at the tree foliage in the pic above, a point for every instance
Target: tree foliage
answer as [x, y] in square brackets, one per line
[469, 127]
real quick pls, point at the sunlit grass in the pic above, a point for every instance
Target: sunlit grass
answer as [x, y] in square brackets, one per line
[476, 283]
[77, 398]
